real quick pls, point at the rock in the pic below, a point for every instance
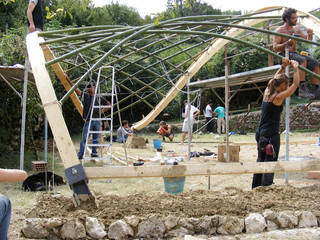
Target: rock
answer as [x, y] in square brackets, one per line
[271, 225]
[133, 221]
[189, 237]
[316, 213]
[94, 228]
[135, 141]
[307, 219]
[33, 228]
[185, 222]
[152, 227]
[120, 230]
[255, 223]
[170, 222]
[269, 215]
[230, 225]
[178, 233]
[50, 223]
[287, 219]
[53, 237]
[194, 221]
[73, 229]
[208, 225]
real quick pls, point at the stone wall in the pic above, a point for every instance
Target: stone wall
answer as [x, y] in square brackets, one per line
[310, 118]
[155, 227]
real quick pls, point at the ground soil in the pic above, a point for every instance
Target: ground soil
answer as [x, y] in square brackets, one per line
[228, 194]
[232, 201]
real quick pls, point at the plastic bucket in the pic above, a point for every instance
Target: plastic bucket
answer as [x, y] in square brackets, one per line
[174, 184]
[157, 143]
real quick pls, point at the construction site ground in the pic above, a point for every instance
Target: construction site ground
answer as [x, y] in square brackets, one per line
[228, 194]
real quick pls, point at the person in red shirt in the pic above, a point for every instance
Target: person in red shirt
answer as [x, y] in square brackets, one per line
[165, 130]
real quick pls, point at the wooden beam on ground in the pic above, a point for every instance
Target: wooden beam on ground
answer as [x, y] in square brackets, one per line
[117, 159]
[201, 169]
[48, 54]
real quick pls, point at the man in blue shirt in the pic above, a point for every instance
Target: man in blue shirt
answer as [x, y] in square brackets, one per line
[220, 122]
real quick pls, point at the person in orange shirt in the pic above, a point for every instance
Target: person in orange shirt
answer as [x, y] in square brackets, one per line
[165, 130]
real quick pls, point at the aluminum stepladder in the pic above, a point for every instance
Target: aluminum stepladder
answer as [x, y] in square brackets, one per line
[101, 91]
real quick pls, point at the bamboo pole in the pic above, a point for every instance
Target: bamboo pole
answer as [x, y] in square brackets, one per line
[251, 29]
[236, 40]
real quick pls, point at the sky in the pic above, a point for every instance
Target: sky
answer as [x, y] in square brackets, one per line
[146, 7]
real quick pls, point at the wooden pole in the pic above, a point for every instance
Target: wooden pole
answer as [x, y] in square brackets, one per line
[226, 100]
[201, 169]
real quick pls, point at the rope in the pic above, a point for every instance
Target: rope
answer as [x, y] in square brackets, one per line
[119, 116]
[198, 130]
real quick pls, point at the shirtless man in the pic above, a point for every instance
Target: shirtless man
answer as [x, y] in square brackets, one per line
[165, 130]
[289, 27]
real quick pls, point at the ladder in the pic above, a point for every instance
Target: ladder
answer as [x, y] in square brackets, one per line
[104, 150]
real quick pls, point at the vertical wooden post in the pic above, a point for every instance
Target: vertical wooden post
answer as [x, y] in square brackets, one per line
[226, 89]
[270, 57]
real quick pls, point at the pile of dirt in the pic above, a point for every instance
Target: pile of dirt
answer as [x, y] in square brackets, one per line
[231, 201]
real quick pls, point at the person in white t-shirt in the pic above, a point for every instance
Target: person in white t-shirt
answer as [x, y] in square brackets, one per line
[193, 113]
[209, 117]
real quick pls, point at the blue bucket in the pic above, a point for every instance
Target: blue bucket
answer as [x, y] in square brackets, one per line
[174, 184]
[157, 143]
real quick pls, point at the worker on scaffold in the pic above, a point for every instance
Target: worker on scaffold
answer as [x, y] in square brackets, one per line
[289, 27]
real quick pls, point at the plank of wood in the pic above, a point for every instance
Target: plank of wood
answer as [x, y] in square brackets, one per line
[201, 169]
[63, 77]
[50, 103]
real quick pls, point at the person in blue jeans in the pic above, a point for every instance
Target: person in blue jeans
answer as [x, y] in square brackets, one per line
[8, 175]
[87, 100]
[220, 111]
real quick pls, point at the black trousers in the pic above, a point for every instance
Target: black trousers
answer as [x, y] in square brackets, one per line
[311, 62]
[209, 125]
[266, 179]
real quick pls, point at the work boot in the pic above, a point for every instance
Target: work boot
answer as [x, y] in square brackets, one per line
[305, 91]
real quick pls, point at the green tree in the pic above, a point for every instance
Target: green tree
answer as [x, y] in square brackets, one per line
[12, 14]
[123, 15]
